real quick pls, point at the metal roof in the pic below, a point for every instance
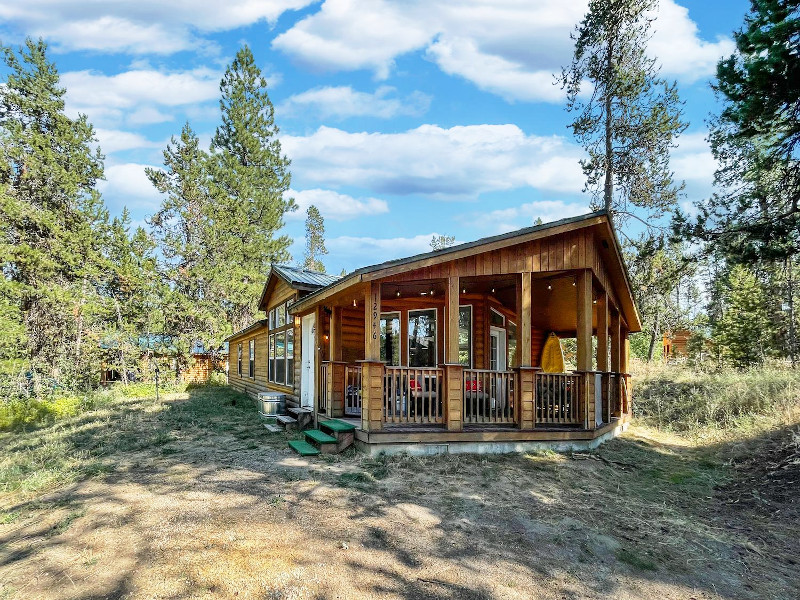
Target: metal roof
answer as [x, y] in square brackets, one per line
[295, 276]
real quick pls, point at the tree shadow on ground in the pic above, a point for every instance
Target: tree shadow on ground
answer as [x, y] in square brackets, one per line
[182, 475]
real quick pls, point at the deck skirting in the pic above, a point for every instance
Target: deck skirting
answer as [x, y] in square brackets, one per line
[486, 441]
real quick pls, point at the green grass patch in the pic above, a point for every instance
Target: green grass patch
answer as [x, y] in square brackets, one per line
[636, 560]
[68, 449]
[676, 398]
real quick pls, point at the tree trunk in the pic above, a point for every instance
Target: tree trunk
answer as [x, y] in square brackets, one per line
[122, 360]
[654, 331]
[792, 345]
[608, 192]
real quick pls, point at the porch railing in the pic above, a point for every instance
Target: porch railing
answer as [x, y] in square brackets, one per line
[352, 390]
[558, 398]
[489, 396]
[412, 395]
[625, 393]
[324, 373]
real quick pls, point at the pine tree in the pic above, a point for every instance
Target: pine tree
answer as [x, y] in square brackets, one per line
[53, 219]
[440, 242]
[743, 331]
[184, 228]
[250, 178]
[754, 212]
[315, 240]
[632, 117]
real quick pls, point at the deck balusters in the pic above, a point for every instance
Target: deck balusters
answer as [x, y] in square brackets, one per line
[412, 395]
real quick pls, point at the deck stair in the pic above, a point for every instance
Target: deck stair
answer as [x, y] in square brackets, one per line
[332, 437]
[303, 416]
[343, 432]
[287, 422]
[303, 448]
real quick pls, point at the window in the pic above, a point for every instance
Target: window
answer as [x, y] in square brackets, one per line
[272, 357]
[280, 357]
[496, 319]
[289, 356]
[512, 344]
[239, 364]
[390, 338]
[465, 335]
[281, 345]
[422, 338]
[252, 358]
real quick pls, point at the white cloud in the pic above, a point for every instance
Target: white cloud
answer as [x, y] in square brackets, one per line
[138, 96]
[115, 140]
[127, 184]
[369, 250]
[524, 215]
[679, 48]
[148, 115]
[455, 163]
[693, 162]
[341, 102]
[131, 88]
[335, 206]
[511, 48]
[495, 74]
[140, 27]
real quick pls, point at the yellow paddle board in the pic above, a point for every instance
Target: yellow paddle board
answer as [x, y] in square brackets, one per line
[552, 355]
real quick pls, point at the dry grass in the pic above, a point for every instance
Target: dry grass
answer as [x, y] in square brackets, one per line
[195, 500]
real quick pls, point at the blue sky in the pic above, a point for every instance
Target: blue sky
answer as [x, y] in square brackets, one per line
[402, 119]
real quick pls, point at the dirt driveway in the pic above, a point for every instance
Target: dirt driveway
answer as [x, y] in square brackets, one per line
[216, 507]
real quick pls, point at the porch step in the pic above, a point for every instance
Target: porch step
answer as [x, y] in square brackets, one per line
[344, 433]
[335, 425]
[320, 437]
[303, 448]
[287, 422]
[304, 417]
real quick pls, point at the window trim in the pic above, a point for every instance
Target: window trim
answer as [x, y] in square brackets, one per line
[251, 358]
[499, 314]
[471, 334]
[273, 331]
[435, 337]
[399, 314]
[239, 360]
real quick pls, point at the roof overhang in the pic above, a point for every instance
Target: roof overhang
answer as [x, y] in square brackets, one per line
[249, 329]
[393, 267]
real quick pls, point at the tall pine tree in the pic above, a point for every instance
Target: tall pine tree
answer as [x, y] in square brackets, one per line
[315, 240]
[250, 178]
[52, 217]
[632, 116]
[184, 228]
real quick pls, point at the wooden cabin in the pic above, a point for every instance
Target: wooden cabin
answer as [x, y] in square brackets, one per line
[442, 351]
[675, 344]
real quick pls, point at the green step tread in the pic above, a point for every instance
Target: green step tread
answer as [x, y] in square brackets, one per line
[303, 448]
[335, 425]
[320, 436]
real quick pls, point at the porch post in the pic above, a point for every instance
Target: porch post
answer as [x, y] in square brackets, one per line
[335, 336]
[584, 350]
[526, 375]
[372, 367]
[602, 354]
[602, 332]
[584, 333]
[615, 363]
[625, 361]
[452, 398]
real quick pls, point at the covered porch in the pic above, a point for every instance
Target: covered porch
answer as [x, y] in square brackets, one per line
[463, 354]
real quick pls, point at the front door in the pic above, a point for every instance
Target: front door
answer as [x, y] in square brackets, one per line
[497, 362]
[308, 352]
[497, 352]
